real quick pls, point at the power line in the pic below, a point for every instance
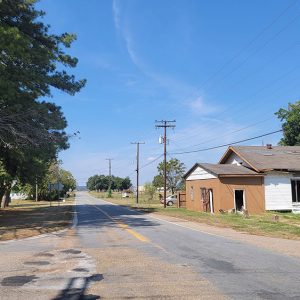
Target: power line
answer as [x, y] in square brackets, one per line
[152, 161]
[293, 69]
[271, 61]
[229, 133]
[228, 62]
[226, 145]
[253, 40]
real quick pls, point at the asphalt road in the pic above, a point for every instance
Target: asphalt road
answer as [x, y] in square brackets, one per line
[117, 253]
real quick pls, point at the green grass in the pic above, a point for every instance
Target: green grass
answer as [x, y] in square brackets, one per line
[288, 225]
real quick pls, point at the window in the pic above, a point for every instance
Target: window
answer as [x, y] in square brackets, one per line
[295, 184]
[192, 193]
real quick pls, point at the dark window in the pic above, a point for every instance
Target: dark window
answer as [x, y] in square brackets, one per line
[203, 193]
[295, 184]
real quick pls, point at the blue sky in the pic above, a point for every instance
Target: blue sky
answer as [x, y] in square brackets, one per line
[221, 68]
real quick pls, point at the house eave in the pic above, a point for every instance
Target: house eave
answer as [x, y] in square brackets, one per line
[241, 175]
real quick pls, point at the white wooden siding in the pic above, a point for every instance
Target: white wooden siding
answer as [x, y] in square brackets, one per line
[278, 192]
[200, 173]
[234, 159]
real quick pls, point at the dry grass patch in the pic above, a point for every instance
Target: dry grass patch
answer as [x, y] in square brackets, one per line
[26, 218]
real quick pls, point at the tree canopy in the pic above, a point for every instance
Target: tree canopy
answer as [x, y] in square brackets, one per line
[175, 171]
[33, 61]
[101, 182]
[291, 124]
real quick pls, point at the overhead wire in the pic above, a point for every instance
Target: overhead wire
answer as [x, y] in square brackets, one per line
[252, 41]
[228, 62]
[228, 144]
[226, 134]
[261, 47]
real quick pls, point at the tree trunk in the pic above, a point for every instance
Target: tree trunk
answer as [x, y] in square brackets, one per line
[5, 198]
[1, 194]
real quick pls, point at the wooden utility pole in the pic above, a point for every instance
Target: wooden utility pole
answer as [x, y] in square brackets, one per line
[137, 167]
[165, 124]
[109, 166]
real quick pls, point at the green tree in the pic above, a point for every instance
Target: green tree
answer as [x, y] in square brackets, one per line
[150, 191]
[32, 61]
[291, 124]
[54, 175]
[175, 171]
[91, 183]
[101, 182]
[126, 184]
[158, 181]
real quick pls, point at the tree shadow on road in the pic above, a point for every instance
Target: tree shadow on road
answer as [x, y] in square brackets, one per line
[110, 216]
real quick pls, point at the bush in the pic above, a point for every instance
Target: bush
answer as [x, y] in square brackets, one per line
[150, 191]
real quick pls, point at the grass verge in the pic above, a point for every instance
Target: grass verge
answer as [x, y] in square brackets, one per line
[288, 225]
[26, 218]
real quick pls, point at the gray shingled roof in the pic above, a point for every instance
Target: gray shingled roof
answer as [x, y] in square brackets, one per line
[262, 158]
[220, 170]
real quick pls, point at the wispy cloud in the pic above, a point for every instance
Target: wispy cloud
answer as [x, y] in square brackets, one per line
[116, 13]
[200, 107]
[177, 89]
[151, 158]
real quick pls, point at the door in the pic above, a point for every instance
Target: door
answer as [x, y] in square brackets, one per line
[239, 200]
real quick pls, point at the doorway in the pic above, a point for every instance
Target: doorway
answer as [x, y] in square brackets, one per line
[211, 200]
[239, 200]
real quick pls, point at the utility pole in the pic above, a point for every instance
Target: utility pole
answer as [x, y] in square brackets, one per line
[137, 167]
[165, 124]
[109, 167]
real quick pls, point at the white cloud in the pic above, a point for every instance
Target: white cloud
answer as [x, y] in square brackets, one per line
[199, 106]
